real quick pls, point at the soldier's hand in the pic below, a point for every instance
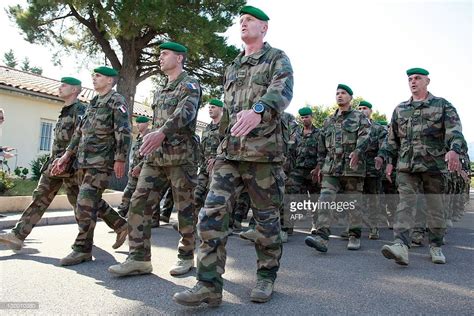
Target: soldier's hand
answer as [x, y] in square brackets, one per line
[210, 165]
[247, 120]
[136, 171]
[119, 169]
[378, 163]
[354, 160]
[388, 172]
[151, 142]
[316, 175]
[464, 175]
[59, 165]
[452, 158]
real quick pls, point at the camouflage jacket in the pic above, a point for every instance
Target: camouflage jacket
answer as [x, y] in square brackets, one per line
[290, 131]
[307, 148]
[175, 108]
[377, 136]
[265, 77]
[137, 159]
[69, 119]
[420, 135]
[103, 136]
[340, 136]
[211, 138]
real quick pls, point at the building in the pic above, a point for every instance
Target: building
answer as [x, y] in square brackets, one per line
[32, 106]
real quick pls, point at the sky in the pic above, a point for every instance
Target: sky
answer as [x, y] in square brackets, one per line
[366, 44]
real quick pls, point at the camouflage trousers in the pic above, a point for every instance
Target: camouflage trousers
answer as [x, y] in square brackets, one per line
[43, 195]
[409, 185]
[299, 182]
[242, 207]
[454, 196]
[264, 183]
[90, 205]
[372, 209]
[201, 190]
[152, 185]
[344, 190]
[389, 199]
[168, 203]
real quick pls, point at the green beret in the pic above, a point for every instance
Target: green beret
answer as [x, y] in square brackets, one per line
[71, 80]
[365, 103]
[106, 71]
[305, 111]
[345, 87]
[384, 123]
[216, 102]
[419, 71]
[255, 12]
[174, 47]
[142, 119]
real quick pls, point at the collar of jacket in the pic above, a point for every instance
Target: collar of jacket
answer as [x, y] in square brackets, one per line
[173, 84]
[424, 102]
[254, 58]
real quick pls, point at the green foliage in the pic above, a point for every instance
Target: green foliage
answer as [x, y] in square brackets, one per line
[320, 113]
[25, 66]
[377, 116]
[6, 182]
[9, 59]
[128, 34]
[21, 172]
[36, 165]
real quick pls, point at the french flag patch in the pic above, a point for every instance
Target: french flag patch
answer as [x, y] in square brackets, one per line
[123, 109]
[192, 86]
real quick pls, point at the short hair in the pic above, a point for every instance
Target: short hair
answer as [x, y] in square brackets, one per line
[115, 80]
[184, 57]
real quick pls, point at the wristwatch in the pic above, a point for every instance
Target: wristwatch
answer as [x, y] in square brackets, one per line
[258, 108]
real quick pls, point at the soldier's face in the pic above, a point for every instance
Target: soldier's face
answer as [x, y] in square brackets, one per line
[342, 97]
[66, 90]
[100, 82]
[365, 110]
[418, 83]
[214, 111]
[169, 60]
[307, 120]
[252, 28]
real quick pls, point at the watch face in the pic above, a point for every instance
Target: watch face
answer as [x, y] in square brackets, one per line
[258, 108]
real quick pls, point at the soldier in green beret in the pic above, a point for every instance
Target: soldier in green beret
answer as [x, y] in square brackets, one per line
[342, 143]
[170, 159]
[425, 136]
[258, 86]
[101, 143]
[373, 177]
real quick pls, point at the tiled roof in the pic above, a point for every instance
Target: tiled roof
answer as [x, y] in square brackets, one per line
[49, 87]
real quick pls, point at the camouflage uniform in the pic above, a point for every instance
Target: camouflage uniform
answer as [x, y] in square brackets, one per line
[418, 135]
[175, 109]
[102, 138]
[300, 179]
[49, 186]
[342, 134]
[251, 162]
[372, 182]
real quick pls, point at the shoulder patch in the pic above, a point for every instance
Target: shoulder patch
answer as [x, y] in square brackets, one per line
[192, 86]
[123, 108]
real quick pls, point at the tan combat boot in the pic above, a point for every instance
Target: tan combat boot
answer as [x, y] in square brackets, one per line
[437, 255]
[122, 234]
[398, 252]
[354, 243]
[11, 241]
[317, 242]
[262, 292]
[182, 267]
[200, 293]
[131, 267]
[75, 258]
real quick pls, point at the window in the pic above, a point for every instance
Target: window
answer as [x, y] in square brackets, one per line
[46, 134]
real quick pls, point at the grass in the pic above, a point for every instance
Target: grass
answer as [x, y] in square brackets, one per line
[26, 188]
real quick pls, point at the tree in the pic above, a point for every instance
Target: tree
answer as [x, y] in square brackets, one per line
[128, 33]
[25, 66]
[377, 116]
[9, 59]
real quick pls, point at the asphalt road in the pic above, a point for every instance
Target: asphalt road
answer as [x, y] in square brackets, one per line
[339, 282]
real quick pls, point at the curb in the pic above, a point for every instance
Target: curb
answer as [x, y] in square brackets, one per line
[49, 218]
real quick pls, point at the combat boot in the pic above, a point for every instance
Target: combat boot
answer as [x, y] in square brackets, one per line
[262, 292]
[345, 234]
[417, 238]
[374, 233]
[398, 252]
[284, 236]
[354, 243]
[182, 267]
[164, 219]
[11, 241]
[317, 242]
[122, 234]
[251, 234]
[75, 257]
[202, 292]
[437, 255]
[131, 267]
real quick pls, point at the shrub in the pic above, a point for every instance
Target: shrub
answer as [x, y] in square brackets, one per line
[5, 182]
[36, 165]
[21, 172]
